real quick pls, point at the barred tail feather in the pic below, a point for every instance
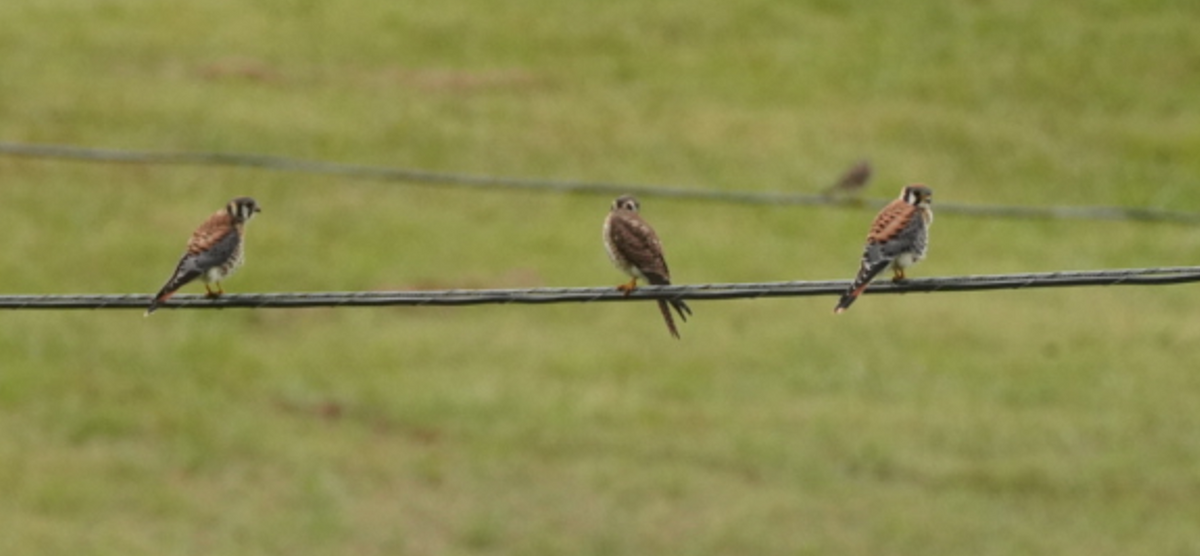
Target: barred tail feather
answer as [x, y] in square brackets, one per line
[867, 273]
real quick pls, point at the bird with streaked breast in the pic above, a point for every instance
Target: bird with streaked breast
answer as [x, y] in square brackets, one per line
[634, 248]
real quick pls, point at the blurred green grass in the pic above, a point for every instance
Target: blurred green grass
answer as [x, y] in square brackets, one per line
[1039, 422]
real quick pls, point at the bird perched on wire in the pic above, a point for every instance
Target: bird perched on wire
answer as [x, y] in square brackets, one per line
[634, 248]
[853, 182]
[214, 252]
[898, 238]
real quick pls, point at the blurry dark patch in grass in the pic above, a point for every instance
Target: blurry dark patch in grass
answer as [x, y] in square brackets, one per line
[335, 411]
[241, 69]
[326, 410]
[445, 80]
[429, 80]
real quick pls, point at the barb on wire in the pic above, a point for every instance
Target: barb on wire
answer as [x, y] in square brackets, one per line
[1127, 277]
[283, 164]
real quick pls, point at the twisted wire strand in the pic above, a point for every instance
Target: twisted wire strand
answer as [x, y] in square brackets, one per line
[283, 164]
[1127, 277]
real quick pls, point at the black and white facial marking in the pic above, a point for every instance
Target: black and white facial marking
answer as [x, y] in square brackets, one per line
[243, 209]
[626, 202]
[918, 195]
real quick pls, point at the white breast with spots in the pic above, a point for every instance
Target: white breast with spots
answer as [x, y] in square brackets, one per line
[226, 269]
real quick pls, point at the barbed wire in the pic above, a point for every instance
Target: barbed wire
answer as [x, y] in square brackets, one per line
[1120, 277]
[284, 164]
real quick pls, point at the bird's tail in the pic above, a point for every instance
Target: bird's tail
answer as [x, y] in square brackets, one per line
[177, 281]
[666, 313]
[867, 273]
[681, 308]
[158, 299]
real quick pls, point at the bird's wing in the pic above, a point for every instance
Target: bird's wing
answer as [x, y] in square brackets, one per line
[893, 231]
[212, 243]
[638, 244]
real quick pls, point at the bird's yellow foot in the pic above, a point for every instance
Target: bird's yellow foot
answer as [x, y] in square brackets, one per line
[898, 275]
[213, 294]
[627, 288]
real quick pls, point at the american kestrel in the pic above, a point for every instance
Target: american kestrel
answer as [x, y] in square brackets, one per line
[214, 252]
[898, 238]
[634, 248]
[853, 182]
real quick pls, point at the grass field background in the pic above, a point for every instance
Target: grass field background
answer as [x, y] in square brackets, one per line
[1038, 422]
